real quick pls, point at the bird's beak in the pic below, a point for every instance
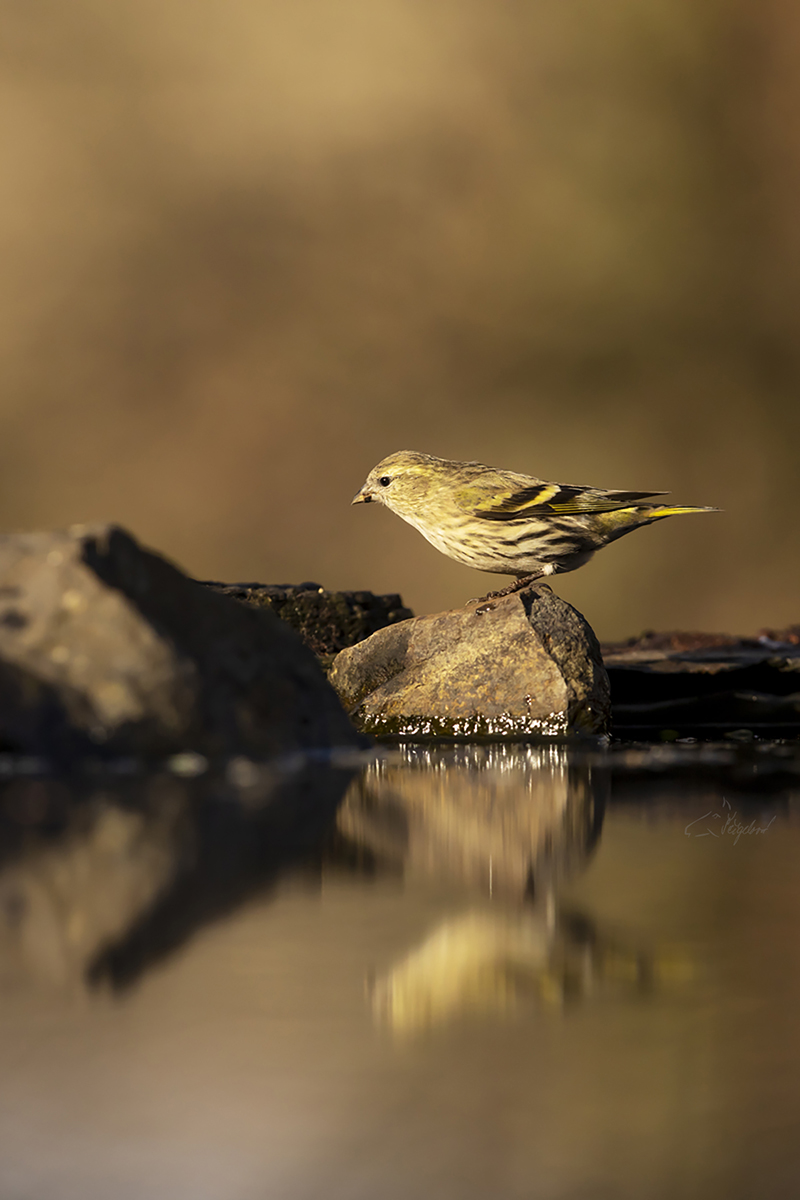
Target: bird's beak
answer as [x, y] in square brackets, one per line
[363, 497]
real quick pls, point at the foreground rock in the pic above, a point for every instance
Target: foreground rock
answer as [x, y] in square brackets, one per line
[526, 664]
[106, 645]
[326, 621]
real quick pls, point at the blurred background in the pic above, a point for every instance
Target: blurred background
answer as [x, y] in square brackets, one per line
[249, 248]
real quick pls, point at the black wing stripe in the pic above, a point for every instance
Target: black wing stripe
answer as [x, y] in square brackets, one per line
[521, 505]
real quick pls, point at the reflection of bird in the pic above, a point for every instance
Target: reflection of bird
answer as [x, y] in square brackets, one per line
[501, 521]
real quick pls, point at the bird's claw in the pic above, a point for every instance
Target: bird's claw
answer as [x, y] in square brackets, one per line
[516, 586]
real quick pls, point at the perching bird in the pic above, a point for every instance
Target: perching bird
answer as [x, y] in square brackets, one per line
[505, 522]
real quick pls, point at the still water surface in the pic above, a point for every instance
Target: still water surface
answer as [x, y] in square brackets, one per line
[506, 972]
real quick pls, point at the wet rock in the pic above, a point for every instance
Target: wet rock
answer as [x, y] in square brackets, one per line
[326, 621]
[525, 664]
[106, 646]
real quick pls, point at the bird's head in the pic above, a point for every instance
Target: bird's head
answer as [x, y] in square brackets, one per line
[401, 482]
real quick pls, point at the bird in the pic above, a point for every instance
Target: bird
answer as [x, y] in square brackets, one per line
[506, 522]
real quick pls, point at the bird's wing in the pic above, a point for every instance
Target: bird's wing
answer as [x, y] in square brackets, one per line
[555, 499]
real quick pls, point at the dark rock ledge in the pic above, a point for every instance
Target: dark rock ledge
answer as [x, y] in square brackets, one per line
[672, 685]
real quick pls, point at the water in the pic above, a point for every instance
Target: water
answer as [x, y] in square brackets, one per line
[495, 971]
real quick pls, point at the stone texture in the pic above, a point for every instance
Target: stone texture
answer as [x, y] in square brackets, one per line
[525, 664]
[326, 621]
[105, 645]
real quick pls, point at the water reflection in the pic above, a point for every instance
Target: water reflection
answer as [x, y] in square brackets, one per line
[492, 963]
[533, 1041]
[508, 826]
[98, 882]
[500, 820]
[100, 879]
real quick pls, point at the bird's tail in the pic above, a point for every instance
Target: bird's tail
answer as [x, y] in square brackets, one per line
[671, 510]
[620, 521]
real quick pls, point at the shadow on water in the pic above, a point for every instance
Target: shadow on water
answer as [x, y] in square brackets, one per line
[99, 882]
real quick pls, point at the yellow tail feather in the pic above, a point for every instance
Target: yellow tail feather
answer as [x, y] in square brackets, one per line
[674, 511]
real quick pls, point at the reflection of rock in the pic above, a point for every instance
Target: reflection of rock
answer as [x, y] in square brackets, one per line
[240, 839]
[103, 644]
[137, 868]
[64, 900]
[524, 664]
[501, 819]
[491, 962]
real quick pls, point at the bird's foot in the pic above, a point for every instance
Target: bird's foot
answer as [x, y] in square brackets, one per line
[517, 586]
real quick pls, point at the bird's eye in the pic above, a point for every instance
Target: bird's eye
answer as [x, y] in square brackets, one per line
[385, 480]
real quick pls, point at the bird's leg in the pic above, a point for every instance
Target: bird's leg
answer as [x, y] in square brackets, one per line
[521, 582]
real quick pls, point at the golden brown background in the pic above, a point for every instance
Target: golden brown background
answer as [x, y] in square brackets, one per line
[251, 247]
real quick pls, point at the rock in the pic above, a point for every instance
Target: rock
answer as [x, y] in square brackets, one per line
[670, 685]
[525, 664]
[104, 644]
[326, 621]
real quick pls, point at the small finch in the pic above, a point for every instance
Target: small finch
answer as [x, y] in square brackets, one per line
[505, 522]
